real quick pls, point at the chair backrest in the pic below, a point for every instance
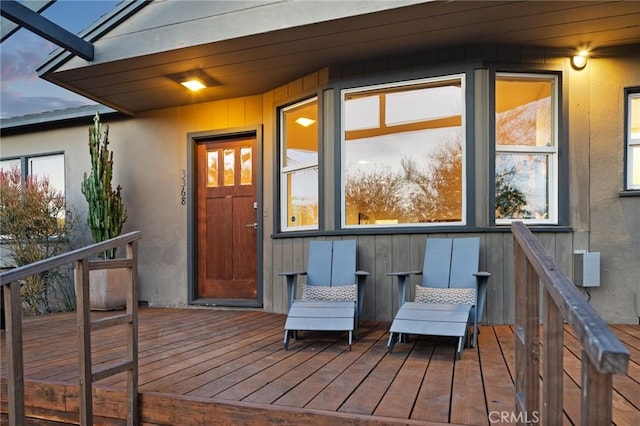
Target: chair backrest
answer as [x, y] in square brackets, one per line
[331, 263]
[451, 262]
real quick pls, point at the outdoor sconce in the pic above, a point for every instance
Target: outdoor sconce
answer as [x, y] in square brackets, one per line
[579, 61]
[193, 80]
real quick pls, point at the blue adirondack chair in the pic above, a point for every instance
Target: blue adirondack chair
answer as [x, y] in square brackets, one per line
[332, 295]
[450, 297]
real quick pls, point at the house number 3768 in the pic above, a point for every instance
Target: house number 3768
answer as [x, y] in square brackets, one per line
[183, 189]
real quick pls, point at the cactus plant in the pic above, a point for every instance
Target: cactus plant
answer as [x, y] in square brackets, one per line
[106, 213]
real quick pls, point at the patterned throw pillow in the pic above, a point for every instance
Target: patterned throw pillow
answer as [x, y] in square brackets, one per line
[445, 295]
[321, 292]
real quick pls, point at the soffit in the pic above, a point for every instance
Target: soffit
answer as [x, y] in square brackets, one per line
[248, 64]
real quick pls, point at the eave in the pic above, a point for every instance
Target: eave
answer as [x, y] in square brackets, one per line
[252, 64]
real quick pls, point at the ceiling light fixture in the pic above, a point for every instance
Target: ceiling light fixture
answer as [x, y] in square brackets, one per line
[194, 84]
[579, 61]
[193, 80]
[305, 122]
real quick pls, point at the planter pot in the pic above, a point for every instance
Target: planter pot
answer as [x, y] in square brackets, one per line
[108, 289]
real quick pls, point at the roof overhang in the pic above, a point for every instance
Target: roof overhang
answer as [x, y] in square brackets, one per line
[244, 64]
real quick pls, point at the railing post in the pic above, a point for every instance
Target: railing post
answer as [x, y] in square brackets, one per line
[596, 395]
[602, 352]
[10, 281]
[84, 341]
[552, 367]
[132, 345]
[527, 337]
[15, 361]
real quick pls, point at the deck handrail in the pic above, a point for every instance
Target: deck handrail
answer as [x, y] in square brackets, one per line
[10, 282]
[602, 353]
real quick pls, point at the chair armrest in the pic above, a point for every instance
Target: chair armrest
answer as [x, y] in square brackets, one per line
[403, 278]
[286, 274]
[397, 274]
[361, 279]
[482, 274]
[482, 279]
[291, 279]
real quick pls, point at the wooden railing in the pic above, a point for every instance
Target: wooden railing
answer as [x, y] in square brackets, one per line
[10, 282]
[602, 353]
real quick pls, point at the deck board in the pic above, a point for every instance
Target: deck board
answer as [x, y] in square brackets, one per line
[195, 362]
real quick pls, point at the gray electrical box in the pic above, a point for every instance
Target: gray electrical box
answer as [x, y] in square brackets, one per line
[586, 269]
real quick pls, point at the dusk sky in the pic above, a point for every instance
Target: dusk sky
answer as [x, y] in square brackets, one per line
[22, 92]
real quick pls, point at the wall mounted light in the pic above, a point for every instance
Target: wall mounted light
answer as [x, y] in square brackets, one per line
[193, 80]
[579, 61]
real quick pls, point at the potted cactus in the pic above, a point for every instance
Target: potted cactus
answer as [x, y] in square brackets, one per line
[105, 218]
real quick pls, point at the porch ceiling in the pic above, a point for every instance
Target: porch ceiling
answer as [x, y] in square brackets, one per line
[258, 63]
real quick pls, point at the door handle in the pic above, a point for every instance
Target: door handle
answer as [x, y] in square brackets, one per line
[253, 225]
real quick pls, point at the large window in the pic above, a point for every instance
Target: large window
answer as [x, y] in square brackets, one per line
[526, 134]
[403, 150]
[633, 140]
[50, 166]
[299, 166]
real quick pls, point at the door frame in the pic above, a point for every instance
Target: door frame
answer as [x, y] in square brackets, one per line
[193, 139]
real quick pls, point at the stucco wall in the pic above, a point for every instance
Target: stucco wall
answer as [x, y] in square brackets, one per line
[150, 154]
[615, 220]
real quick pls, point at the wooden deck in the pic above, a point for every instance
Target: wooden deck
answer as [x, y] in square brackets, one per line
[204, 366]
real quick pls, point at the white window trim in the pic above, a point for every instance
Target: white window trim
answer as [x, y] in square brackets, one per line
[345, 92]
[552, 151]
[286, 171]
[630, 142]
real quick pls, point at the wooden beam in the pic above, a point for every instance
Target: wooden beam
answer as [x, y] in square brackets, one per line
[38, 6]
[37, 24]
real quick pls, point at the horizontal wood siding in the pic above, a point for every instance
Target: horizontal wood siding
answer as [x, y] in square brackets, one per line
[381, 254]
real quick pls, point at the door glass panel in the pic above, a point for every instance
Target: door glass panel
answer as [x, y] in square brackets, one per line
[212, 168]
[246, 175]
[229, 167]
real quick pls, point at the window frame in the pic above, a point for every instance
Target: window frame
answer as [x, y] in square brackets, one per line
[629, 94]
[285, 171]
[553, 151]
[467, 171]
[26, 169]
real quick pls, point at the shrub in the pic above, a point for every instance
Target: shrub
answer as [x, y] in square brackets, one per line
[36, 223]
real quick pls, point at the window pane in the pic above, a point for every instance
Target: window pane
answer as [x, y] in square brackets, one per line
[633, 141]
[212, 169]
[526, 148]
[229, 167]
[635, 160]
[524, 111]
[362, 112]
[299, 165]
[246, 162]
[302, 198]
[410, 172]
[426, 104]
[50, 167]
[300, 134]
[6, 165]
[522, 182]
